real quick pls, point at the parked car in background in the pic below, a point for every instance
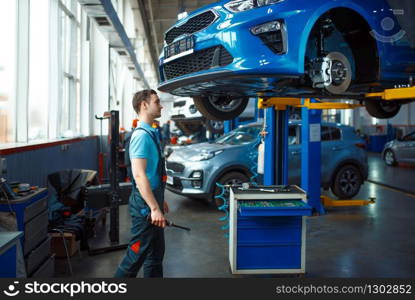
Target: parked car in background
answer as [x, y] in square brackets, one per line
[194, 170]
[228, 51]
[400, 150]
[188, 119]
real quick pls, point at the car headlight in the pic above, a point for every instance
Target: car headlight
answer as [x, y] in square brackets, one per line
[205, 156]
[244, 5]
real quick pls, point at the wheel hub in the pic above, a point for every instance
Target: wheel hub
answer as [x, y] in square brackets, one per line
[338, 72]
[349, 182]
[225, 104]
[389, 158]
[332, 72]
[218, 125]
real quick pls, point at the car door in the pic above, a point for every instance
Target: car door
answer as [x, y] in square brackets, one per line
[407, 148]
[398, 39]
[331, 150]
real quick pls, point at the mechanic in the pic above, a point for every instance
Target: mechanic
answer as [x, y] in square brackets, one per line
[165, 133]
[126, 143]
[147, 205]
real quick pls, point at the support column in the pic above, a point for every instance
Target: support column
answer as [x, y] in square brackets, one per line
[229, 125]
[114, 208]
[311, 156]
[276, 147]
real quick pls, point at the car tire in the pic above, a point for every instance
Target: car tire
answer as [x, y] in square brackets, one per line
[220, 108]
[214, 126]
[189, 128]
[382, 109]
[389, 158]
[347, 181]
[228, 178]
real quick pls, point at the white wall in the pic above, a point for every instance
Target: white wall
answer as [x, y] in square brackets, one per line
[99, 79]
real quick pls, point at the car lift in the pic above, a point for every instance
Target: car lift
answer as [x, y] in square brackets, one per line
[112, 196]
[276, 141]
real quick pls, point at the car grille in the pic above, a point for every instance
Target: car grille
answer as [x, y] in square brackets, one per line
[198, 61]
[175, 167]
[193, 25]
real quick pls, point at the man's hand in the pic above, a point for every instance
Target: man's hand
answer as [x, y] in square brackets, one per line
[157, 218]
[165, 207]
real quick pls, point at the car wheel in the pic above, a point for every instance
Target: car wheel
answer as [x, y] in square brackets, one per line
[189, 128]
[382, 109]
[220, 108]
[214, 126]
[347, 182]
[389, 158]
[228, 178]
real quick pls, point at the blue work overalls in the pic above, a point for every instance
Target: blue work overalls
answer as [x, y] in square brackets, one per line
[147, 241]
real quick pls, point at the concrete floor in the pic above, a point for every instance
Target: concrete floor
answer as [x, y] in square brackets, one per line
[372, 241]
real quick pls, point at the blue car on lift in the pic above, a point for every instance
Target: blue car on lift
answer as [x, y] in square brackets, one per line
[228, 51]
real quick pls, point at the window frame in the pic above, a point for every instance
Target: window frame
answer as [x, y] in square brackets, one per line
[72, 82]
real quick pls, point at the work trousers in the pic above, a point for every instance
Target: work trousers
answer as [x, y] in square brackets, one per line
[146, 247]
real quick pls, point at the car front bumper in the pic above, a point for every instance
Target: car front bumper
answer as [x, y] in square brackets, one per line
[254, 67]
[180, 172]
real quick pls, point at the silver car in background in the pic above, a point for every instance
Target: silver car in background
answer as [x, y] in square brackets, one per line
[400, 150]
[194, 170]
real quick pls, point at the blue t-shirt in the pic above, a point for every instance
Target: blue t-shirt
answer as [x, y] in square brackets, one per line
[142, 146]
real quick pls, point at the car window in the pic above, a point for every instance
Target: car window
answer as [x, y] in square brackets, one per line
[335, 133]
[240, 136]
[410, 137]
[329, 133]
[325, 133]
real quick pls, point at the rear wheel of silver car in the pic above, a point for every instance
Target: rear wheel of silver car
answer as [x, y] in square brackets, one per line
[347, 182]
[214, 126]
[383, 109]
[227, 179]
[389, 158]
[220, 108]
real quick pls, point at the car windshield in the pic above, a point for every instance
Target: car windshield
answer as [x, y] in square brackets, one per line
[239, 136]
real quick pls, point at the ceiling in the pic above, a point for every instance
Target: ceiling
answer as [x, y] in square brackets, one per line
[162, 14]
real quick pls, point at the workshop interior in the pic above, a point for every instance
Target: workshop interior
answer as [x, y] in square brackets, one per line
[287, 129]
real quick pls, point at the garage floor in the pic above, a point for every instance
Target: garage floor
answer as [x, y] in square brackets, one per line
[372, 241]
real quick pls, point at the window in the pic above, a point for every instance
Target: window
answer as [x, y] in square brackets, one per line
[330, 133]
[331, 115]
[38, 70]
[410, 137]
[70, 41]
[240, 136]
[8, 21]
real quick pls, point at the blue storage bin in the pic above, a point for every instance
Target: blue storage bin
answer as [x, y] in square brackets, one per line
[269, 230]
[269, 256]
[377, 143]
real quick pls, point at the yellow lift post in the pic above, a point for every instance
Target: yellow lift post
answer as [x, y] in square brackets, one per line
[281, 103]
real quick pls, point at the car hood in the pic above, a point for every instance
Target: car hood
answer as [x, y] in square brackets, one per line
[184, 153]
[390, 144]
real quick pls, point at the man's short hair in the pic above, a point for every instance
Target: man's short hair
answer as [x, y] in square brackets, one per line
[141, 96]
